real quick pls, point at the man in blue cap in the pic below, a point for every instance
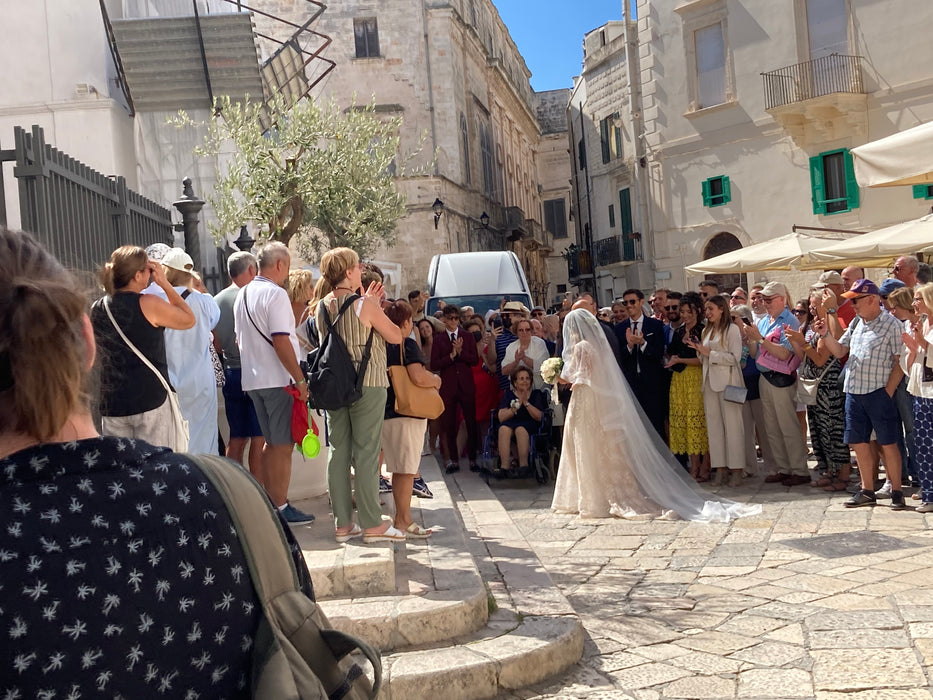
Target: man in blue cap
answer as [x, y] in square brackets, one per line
[873, 371]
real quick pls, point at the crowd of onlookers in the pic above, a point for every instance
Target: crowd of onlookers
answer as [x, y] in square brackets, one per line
[735, 382]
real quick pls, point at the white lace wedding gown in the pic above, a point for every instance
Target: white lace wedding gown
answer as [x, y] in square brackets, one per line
[612, 461]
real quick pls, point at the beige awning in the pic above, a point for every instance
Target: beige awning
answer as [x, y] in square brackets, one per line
[781, 253]
[905, 158]
[876, 249]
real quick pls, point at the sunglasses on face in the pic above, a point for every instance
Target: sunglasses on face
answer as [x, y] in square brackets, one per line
[738, 296]
[672, 308]
[800, 312]
[630, 302]
[896, 268]
[864, 296]
[537, 313]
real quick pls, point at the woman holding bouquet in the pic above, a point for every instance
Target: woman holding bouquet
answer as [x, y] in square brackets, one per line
[520, 413]
[613, 462]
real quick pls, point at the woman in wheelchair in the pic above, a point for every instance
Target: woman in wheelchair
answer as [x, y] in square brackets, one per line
[520, 413]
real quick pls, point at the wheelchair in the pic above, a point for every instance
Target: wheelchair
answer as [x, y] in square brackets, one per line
[542, 455]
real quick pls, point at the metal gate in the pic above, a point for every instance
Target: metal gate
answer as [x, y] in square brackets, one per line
[79, 214]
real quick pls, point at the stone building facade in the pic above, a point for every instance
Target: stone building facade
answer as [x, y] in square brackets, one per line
[745, 114]
[554, 168]
[453, 73]
[608, 199]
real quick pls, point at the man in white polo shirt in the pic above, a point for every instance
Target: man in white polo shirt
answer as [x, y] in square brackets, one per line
[265, 332]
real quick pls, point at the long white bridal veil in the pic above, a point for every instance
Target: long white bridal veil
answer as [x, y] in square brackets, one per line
[624, 425]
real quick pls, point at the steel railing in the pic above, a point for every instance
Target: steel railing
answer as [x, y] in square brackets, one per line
[816, 78]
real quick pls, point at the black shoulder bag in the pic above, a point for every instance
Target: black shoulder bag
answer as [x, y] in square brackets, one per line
[333, 381]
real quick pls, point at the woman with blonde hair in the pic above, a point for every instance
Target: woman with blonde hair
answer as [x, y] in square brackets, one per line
[355, 430]
[918, 365]
[190, 366]
[133, 400]
[720, 351]
[300, 288]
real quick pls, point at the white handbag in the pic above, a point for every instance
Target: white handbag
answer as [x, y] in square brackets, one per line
[807, 388]
[180, 424]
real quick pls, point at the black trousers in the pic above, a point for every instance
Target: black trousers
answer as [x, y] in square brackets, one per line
[467, 405]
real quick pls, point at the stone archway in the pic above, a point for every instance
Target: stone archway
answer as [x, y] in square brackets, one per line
[721, 243]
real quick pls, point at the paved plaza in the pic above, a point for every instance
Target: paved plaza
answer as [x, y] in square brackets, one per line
[807, 600]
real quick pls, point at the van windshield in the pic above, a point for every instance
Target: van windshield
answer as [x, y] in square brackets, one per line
[481, 303]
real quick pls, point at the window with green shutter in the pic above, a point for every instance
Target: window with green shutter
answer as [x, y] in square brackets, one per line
[604, 138]
[923, 191]
[625, 211]
[716, 191]
[832, 182]
[612, 216]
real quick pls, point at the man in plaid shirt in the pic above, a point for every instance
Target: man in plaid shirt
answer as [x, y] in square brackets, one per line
[872, 375]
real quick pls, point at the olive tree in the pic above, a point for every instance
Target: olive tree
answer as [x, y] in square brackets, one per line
[320, 174]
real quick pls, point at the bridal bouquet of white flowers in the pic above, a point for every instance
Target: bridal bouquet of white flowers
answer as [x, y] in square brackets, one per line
[515, 404]
[550, 369]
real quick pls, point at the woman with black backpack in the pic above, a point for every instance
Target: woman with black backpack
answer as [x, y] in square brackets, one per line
[355, 430]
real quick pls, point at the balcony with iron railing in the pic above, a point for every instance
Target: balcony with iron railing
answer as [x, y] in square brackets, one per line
[579, 263]
[818, 100]
[625, 248]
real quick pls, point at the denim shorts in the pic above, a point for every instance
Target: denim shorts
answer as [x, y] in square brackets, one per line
[274, 410]
[241, 414]
[875, 411]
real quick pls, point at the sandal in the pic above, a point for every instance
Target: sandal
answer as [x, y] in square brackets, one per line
[416, 532]
[703, 477]
[836, 486]
[354, 531]
[392, 534]
[822, 481]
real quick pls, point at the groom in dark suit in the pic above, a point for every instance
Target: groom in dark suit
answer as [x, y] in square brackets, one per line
[453, 355]
[642, 348]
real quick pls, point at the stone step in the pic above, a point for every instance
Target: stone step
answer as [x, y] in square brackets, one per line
[435, 631]
[533, 650]
[342, 570]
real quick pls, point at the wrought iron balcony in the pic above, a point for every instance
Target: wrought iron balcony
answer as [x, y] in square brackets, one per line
[579, 263]
[617, 249]
[827, 75]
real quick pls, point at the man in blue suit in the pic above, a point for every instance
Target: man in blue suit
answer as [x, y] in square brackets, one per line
[642, 349]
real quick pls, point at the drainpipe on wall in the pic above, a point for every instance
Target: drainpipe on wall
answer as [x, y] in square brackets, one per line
[642, 181]
[427, 64]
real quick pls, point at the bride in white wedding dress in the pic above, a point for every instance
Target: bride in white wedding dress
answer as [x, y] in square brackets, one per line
[612, 461]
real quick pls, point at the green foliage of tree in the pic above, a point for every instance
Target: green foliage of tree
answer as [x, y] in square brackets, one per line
[321, 174]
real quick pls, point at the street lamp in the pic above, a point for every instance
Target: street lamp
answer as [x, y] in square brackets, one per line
[245, 241]
[438, 209]
[484, 219]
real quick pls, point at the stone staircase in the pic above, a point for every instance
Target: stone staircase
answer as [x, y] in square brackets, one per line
[444, 629]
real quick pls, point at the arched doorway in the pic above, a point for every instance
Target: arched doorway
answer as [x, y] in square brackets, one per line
[720, 244]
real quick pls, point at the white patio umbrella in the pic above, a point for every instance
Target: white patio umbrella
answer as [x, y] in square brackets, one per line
[875, 249]
[905, 158]
[781, 253]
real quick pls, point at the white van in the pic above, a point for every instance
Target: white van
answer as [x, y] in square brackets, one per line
[481, 280]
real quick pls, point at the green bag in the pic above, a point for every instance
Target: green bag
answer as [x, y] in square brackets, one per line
[296, 653]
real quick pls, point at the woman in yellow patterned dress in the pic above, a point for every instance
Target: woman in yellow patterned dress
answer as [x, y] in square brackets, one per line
[687, 417]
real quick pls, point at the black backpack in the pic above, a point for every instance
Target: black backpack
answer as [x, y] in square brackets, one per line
[333, 381]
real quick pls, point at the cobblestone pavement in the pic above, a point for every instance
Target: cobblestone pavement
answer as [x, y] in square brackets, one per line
[807, 600]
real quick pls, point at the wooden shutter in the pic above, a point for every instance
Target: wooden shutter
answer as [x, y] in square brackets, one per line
[817, 189]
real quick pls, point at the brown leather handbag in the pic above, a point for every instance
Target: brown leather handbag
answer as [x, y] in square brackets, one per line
[410, 399]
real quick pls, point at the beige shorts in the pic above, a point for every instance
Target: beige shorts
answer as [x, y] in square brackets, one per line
[402, 440]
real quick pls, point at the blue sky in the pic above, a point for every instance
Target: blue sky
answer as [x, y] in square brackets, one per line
[549, 34]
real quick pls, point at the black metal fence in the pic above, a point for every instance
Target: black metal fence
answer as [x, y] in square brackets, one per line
[79, 214]
[821, 76]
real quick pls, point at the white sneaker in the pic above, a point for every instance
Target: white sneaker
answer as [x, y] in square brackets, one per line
[884, 491]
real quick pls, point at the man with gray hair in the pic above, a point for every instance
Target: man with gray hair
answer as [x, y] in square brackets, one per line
[241, 414]
[905, 269]
[776, 361]
[265, 333]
